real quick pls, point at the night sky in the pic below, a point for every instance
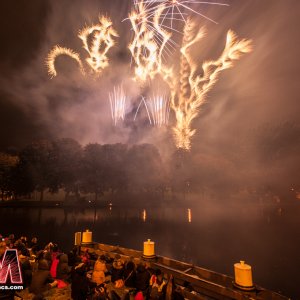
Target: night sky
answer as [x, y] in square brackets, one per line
[258, 96]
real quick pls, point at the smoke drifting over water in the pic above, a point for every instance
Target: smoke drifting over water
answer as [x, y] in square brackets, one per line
[252, 105]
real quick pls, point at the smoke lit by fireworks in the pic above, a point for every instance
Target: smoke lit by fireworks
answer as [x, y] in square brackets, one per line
[117, 100]
[101, 35]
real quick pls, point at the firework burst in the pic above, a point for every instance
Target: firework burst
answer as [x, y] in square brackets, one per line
[149, 43]
[102, 40]
[102, 37]
[177, 10]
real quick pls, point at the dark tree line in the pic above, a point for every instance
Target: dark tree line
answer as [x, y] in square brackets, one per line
[65, 165]
[264, 162]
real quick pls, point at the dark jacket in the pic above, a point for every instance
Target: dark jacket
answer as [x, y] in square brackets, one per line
[81, 286]
[117, 270]
[129, 275]
[41, 278]
[63, 270]
[142, 278]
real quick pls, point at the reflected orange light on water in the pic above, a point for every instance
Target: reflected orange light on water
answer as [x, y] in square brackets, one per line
[144, 215]
[189, 215]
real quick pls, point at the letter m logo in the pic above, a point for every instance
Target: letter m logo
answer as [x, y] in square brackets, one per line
[10, 265]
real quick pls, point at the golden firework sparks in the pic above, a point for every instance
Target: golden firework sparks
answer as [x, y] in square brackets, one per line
[193, 88]
[149, 43]
[102, 40]
[57, 51]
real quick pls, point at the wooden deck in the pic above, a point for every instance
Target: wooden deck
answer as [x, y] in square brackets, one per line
[205, 283]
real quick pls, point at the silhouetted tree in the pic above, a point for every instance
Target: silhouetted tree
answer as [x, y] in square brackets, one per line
[144, 168]
[35, 168]
[115, 166]
[93, 170]
[67, 158]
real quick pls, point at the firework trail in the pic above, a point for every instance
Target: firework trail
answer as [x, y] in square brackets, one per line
[57, 51]
[138, 108]
[117, 101]
[102, 39]
[190, 92]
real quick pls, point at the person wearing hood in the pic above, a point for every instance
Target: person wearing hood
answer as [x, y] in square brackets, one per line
[63, 270]
[142, 278]
[98, 275]
[117, 269]
[41, 279]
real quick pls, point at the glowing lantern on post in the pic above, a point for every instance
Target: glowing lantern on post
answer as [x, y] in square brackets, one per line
[149, 251]
[243, 276]
[86, 237]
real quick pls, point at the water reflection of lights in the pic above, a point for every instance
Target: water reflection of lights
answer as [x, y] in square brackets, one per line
[189, 215]
[110, 206]
[144, 215]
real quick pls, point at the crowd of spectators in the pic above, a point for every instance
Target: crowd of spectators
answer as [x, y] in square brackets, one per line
[85, 275]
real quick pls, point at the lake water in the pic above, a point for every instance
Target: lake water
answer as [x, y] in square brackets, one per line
[211, 236]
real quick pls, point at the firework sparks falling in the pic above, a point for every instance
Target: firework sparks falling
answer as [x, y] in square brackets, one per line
[117, 101]
[102, 40]
[57, 51]
[192, 87]
[160, 109]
